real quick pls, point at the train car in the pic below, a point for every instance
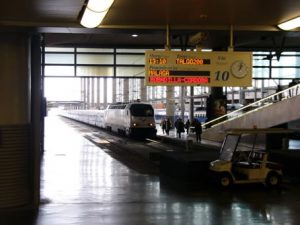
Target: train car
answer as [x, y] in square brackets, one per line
[134, 119]
[91, 117]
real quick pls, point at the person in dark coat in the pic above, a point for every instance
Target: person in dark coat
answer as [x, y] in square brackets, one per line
[198, 130]
[179, 127]
[168, 126]
[163, 125]
[187, 126]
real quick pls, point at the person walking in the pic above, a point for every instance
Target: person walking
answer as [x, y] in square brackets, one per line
[179, 127]
[163, 125]
[187, 126]
[198, 130]
[168, 126]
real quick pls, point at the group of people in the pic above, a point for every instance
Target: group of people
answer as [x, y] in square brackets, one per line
[181, 127]
[166, 126]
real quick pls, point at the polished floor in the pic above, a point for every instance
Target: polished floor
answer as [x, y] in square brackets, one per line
[82, 184]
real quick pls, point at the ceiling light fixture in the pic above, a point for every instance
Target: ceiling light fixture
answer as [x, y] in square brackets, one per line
[94, 12]
[290, 24]
[134, 35]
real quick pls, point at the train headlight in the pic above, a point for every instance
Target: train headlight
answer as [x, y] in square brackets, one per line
[150, 124]
[134, 124]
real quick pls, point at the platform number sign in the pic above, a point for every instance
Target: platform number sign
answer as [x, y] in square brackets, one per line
[198, 68]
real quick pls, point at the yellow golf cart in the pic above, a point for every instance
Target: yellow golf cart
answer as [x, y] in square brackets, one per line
[244, 159]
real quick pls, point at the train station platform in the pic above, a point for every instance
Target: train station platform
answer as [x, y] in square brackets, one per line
[82, 183]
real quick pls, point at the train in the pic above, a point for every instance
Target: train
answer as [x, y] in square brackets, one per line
[133, 119]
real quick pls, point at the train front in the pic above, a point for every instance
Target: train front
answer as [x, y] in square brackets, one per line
[142, 122]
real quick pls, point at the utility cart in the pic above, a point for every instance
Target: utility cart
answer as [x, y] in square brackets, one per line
[244, 158]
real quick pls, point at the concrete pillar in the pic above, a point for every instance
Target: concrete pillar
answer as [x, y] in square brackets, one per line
[82, 91]
[182, 101]
[125, 90]
[170, 103]
[85, 103]
[114, 83]
[20, 120]
[242, 99]
[216, 103]
[92, 92]
[143, 91]
[104, 92]
[262, 88]
[88, 93]
[255, 90]
[153, 89]
[98, 93]
[191, 114]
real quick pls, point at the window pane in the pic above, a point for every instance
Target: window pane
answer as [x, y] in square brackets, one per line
[131, 50]
[131, 59]
[105, 71]
[62, 89]
[59, 71]
[260, 61]
[59, 58]
[95, 59]
[284, 61]
[130, 71]
[95, 50]
[286, 73]
[51, 49]
[260, 72]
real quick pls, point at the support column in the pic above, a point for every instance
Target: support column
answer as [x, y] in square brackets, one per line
[84, 93]
[170, 103]
[88, 91]
[262, 89]
[21, 121]
[104, 93]
[92, 92]
[153, 89]
[143, 91]
[255, 90]
[182, 101]
[216, 104]
[242, 97]
[114, 83]
[126, 90]
[98, 93]
[191, 114]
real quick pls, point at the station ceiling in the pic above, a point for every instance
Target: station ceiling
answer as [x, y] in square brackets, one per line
[203, 22]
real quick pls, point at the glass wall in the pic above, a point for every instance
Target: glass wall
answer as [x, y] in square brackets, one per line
[110, 66]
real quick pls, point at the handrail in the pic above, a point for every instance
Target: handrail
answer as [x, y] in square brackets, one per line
[267, 101]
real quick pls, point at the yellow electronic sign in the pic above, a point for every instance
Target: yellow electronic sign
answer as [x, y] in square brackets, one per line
[216, 69]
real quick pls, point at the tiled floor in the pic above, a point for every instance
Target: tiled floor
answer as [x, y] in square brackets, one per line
[83, 185]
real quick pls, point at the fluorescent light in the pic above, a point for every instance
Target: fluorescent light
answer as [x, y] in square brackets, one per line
[290, 24]
[95, 12]
[99, 5]
[92, 19]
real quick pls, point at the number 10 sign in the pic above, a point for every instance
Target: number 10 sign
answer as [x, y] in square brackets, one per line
[182, 68]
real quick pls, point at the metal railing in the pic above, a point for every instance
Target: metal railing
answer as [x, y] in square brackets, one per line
[265, 102]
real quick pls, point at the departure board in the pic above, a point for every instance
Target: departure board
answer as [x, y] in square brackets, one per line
[184, 68]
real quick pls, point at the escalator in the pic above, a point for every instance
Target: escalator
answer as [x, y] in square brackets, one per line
[277, 109]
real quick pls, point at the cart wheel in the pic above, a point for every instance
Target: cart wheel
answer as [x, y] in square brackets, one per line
[225, 180]
[273, 179]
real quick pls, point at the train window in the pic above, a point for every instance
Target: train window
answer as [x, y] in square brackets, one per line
[141, 110]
